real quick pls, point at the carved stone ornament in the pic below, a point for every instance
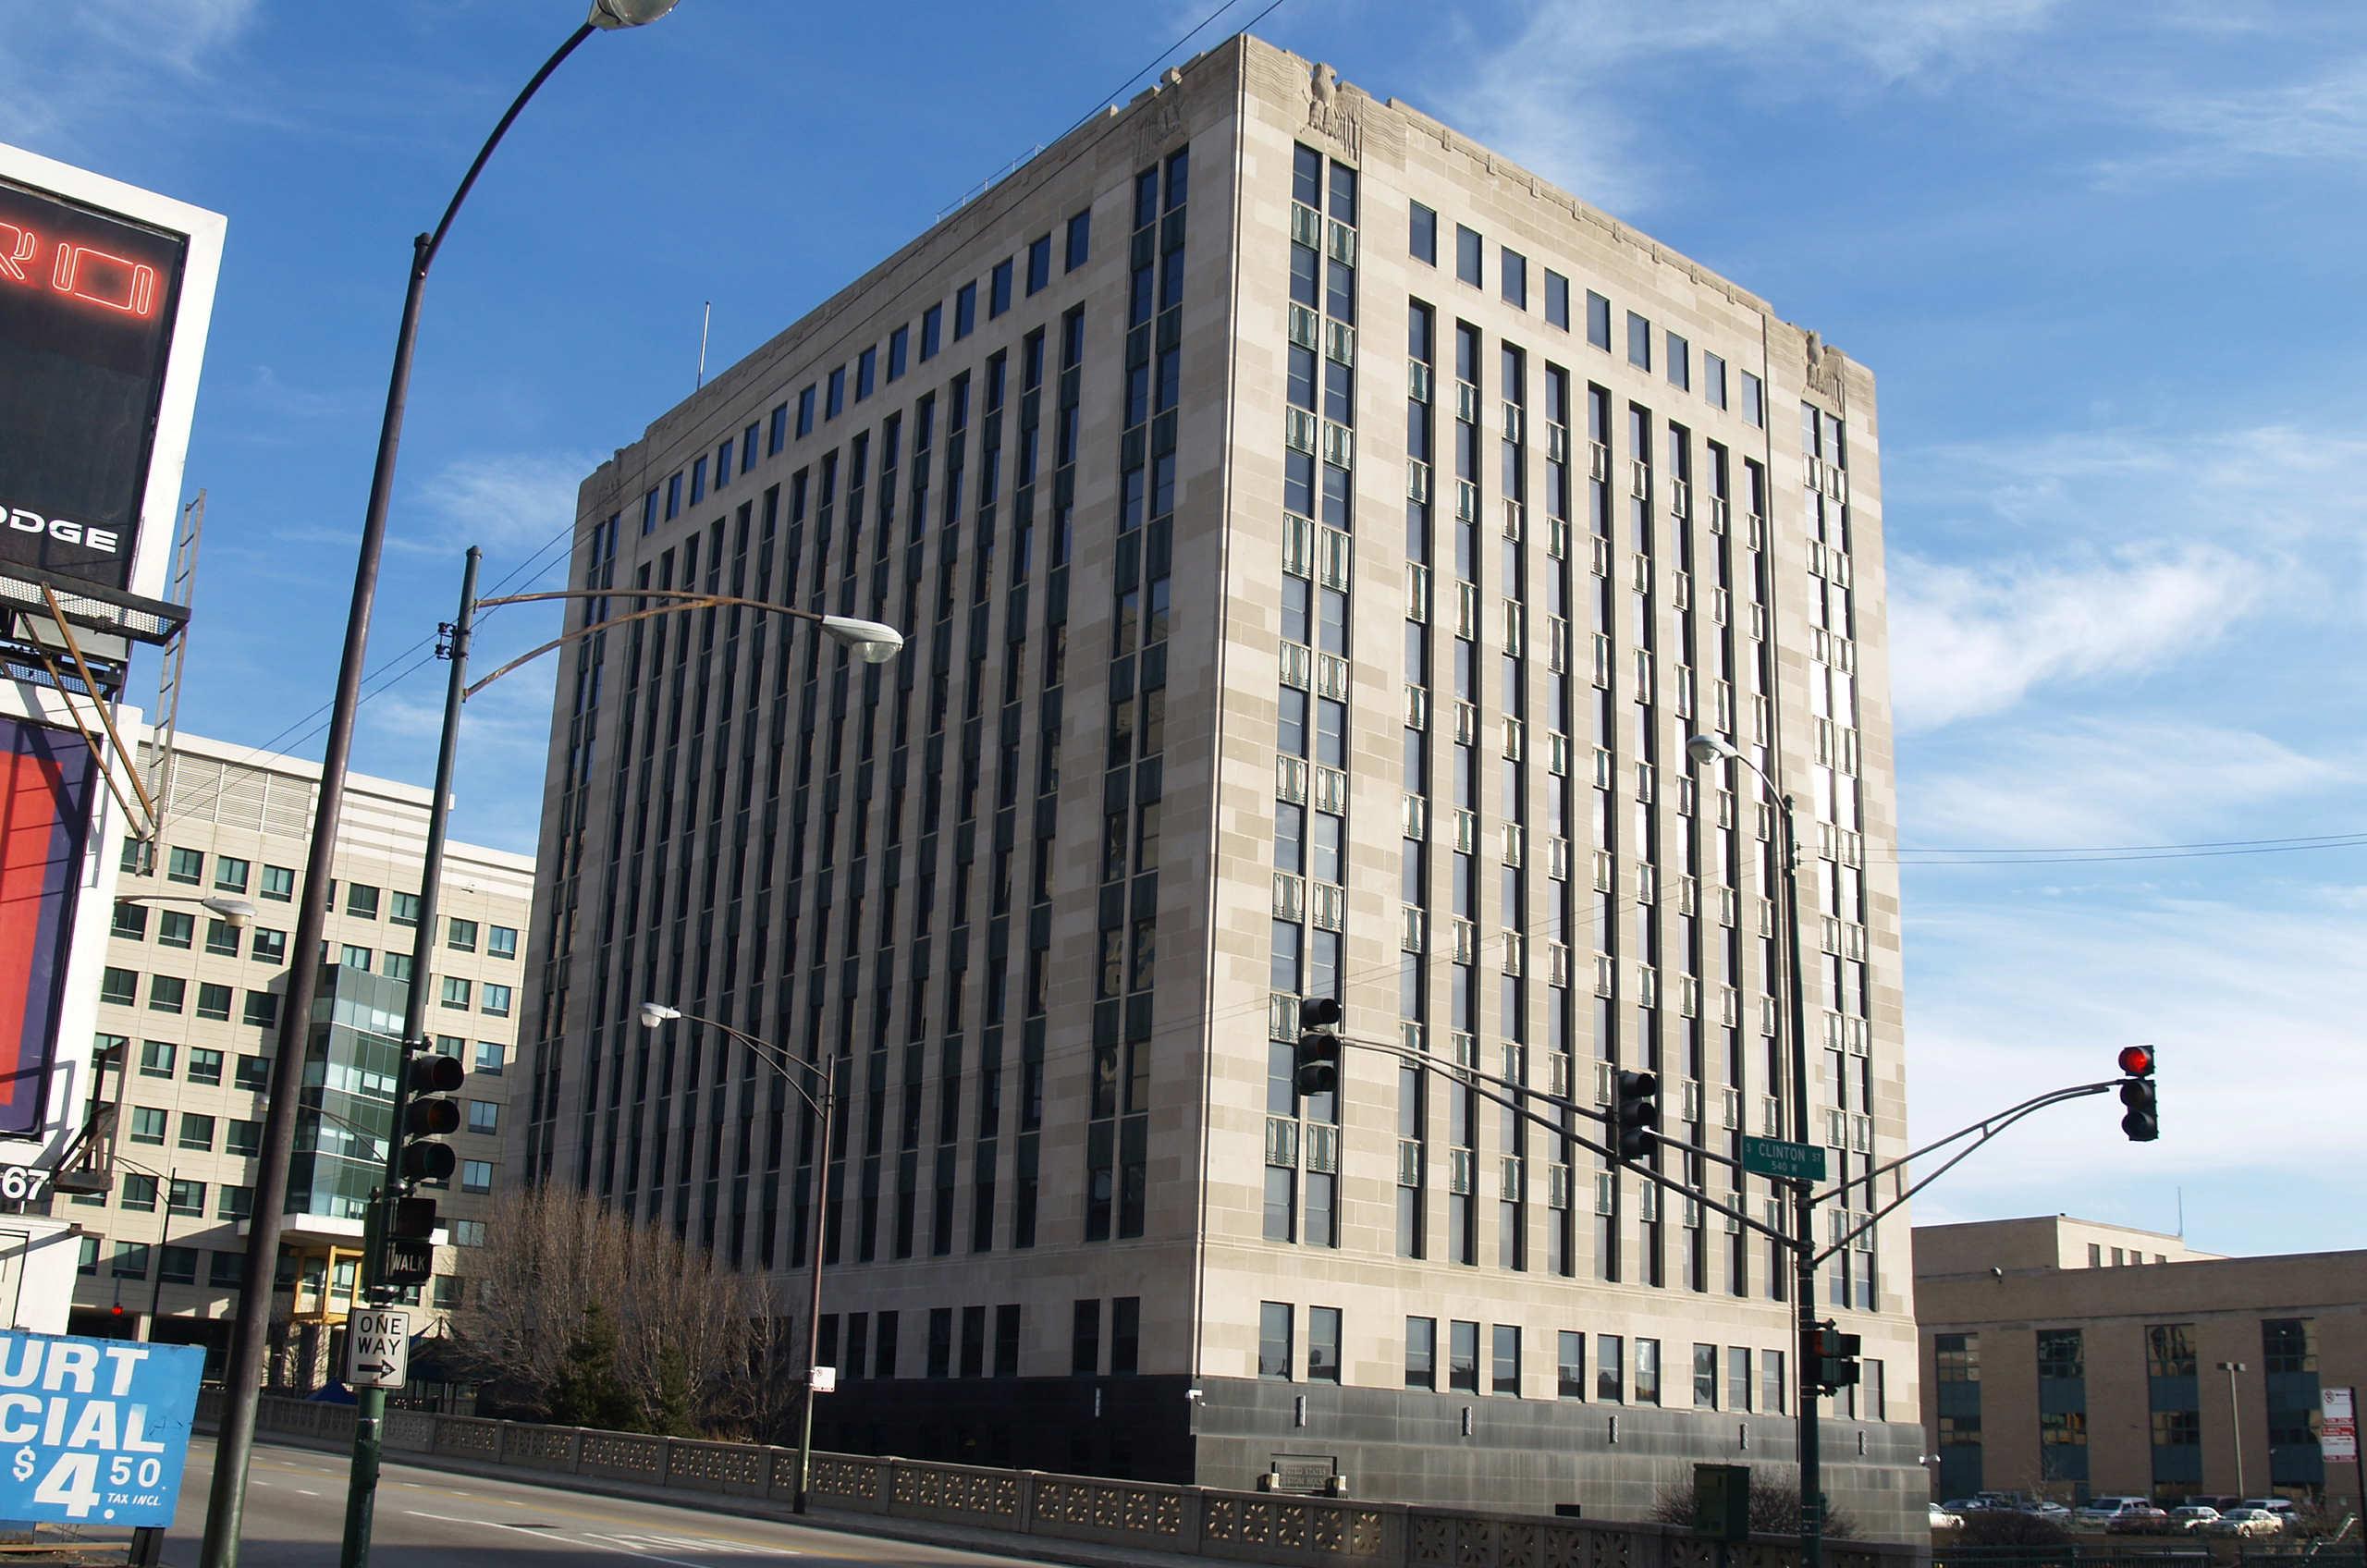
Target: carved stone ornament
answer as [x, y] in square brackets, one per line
[1161, 121]
[1328, 113]
[1825, 371]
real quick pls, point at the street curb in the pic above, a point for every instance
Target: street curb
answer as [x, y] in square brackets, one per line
[1004, 1543]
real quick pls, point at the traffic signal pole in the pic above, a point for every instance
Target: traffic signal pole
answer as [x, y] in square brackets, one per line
[1803, 1217]
[370, 1405]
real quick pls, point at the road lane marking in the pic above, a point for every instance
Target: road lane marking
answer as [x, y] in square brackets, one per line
[589, 1541]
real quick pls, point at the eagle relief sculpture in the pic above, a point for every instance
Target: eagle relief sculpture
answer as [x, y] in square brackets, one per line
[1327, 110]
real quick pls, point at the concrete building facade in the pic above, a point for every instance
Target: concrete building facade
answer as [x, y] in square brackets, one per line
[187, 1015]
[1316, 538]
[2069, 1358]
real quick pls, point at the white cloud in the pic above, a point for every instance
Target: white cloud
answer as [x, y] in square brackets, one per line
[1968, 641]
[69, 65]
[2116, 782]
[511, 503]
[1551, 95]
[2245, 1006]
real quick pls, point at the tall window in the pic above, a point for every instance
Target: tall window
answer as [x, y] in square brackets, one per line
[1274, 1340]
[1421, 1353]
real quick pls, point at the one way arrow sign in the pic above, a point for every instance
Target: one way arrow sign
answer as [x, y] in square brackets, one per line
[377, 1348]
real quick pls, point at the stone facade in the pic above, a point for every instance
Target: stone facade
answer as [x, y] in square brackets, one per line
[1042, 893]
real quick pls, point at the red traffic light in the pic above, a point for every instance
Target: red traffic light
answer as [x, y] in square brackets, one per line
[2136, 1060]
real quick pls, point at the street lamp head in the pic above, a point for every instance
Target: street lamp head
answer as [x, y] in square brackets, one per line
[872, 642]
[610, 15]
[655, 1014]
[1707, 749]
[236, 913]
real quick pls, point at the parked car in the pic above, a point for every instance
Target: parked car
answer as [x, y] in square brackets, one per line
[2142, 1520]
[2188, 1515]
[2244, 1522]
[1942, 1519]
[2102, 1511]
[1961, 1506]
[2048, 1509]
[2280, 1506]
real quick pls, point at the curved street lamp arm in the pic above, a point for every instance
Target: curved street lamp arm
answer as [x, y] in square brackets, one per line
[693, 601]
[424, 256]
[772, 1056]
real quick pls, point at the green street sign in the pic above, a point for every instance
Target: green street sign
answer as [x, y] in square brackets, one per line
[1783, 1160]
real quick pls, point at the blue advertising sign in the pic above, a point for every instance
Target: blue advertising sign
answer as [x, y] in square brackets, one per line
[93, 1431]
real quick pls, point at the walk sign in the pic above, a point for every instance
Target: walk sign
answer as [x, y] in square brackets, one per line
[93, 1431]
[377, 1348]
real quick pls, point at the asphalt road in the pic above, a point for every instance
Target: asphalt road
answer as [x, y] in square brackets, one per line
[434, 1519]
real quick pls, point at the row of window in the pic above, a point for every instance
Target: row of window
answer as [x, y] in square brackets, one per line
[203, 1064]
[176, 1264]
[1753, 1380]
[689, 486]
[169, 993]
[1676, 358]
[869, 1346]
[232, 874]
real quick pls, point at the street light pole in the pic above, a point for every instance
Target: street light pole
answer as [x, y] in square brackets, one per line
[1703, 750]
[370, 1405]
[2235, 1421]
[226, 1506]
[655, 1014]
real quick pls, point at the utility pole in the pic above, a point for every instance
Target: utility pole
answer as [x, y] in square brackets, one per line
[369, 1404]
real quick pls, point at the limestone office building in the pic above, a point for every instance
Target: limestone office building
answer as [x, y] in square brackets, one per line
[1317, 537]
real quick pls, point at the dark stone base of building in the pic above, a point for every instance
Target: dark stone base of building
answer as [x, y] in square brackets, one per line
[1530, 1456]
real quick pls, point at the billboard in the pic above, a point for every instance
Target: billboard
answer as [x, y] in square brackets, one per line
[46, 778]
[94, 1431]
[106, 292]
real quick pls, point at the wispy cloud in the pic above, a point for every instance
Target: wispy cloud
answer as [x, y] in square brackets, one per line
[70, 64]
[1550, 94]
[2111, 781]
[512, 504]
[1968, 641]
[2320, 123]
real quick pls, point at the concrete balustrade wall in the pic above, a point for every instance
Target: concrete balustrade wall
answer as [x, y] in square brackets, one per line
[1189, 1520]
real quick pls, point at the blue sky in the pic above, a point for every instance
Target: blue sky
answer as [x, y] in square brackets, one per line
[2103, 258]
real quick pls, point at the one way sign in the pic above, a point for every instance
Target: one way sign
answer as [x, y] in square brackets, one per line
[377, 1348]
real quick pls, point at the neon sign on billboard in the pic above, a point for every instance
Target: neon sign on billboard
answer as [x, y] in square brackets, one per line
[87, 306]
[45, 780]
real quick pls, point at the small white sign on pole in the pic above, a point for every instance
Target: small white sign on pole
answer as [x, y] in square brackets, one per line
[2338, 1425]
[377, 1348]
[825, 1380]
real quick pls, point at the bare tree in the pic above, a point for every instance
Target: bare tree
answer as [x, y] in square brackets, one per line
[674, 1330]
[1775, 1507]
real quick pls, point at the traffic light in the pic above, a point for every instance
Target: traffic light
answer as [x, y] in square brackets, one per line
[1637, 1115]
[429, 1114]
[2142, 1123]
[1317, 1057]
[1832, 1356]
